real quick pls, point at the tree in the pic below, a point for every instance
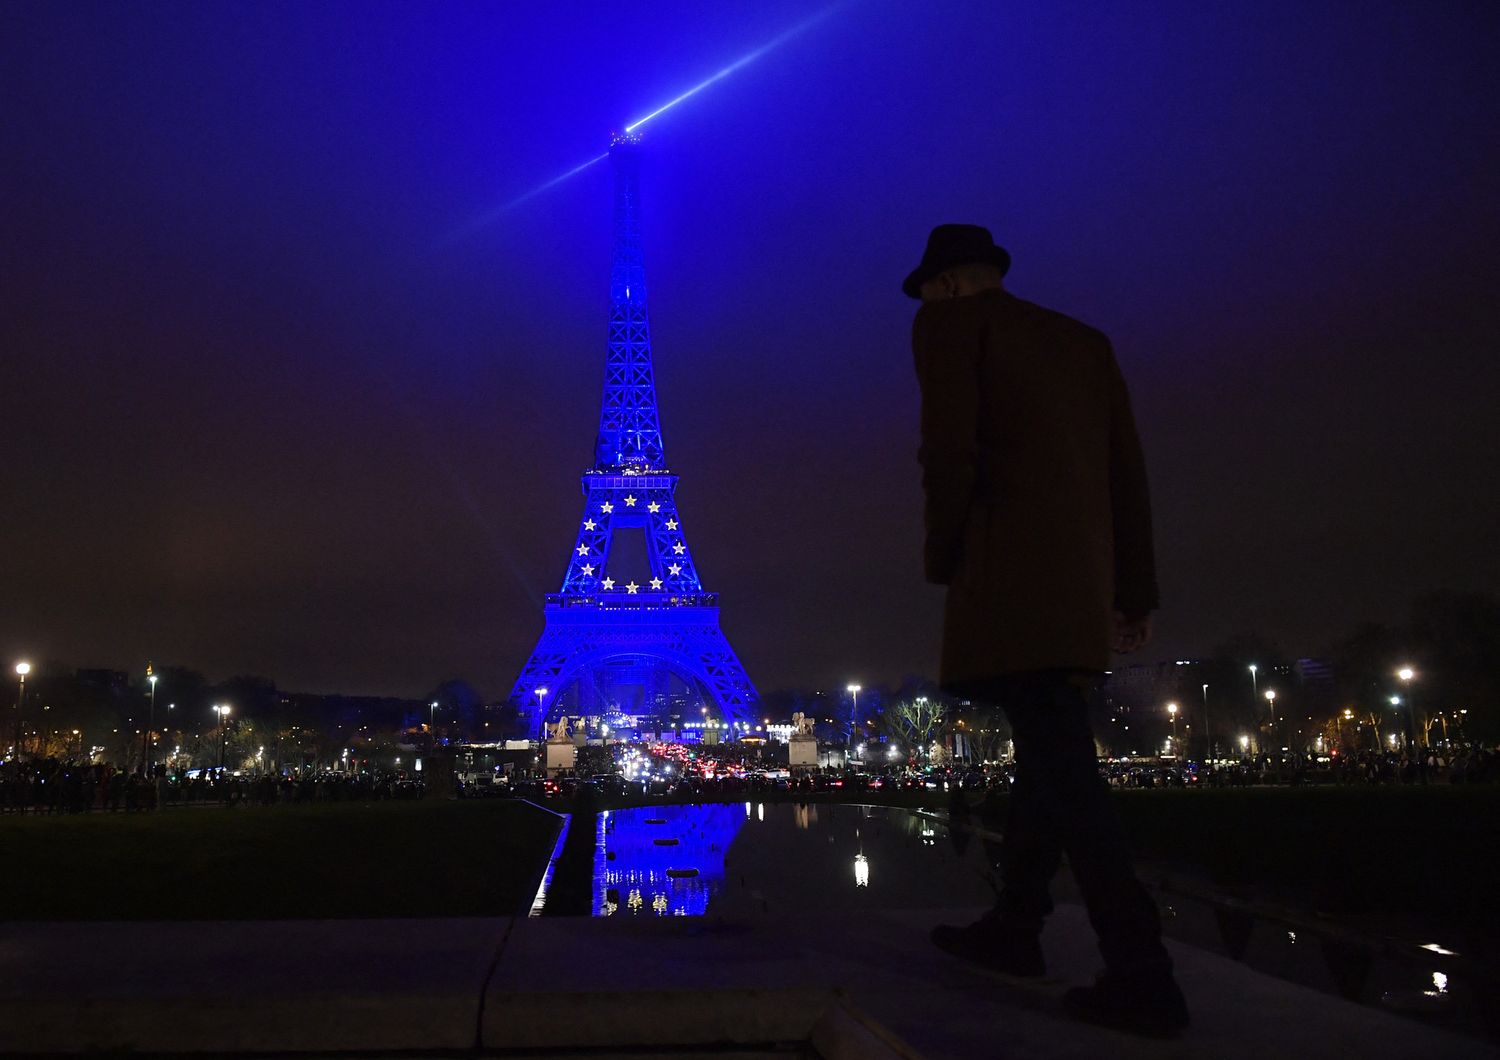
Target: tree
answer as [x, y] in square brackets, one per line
[1455, 641]
[915, 722]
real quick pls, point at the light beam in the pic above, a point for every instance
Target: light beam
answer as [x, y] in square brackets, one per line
[739, 63]
[774, 42]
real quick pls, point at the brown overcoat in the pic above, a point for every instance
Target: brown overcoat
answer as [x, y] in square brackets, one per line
[1037, 512]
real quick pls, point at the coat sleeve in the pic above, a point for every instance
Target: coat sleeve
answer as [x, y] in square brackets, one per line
[947, 347]
[1130, 504]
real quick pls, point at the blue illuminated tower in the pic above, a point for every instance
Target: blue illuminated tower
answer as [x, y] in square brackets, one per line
[661, 624]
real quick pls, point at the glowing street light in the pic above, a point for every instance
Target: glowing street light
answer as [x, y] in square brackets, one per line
[150, 720]
[1172, 710]
[854, 690]
[1406, 673]
[1208, 737]
[223, 712]
[22, 669]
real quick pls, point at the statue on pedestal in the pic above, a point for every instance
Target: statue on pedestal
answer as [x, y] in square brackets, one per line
[802, 748]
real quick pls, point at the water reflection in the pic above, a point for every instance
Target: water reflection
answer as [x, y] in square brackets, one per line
[671, 857]
[750, 859]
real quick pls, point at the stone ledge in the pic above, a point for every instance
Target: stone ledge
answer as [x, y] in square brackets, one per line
[634, 1019]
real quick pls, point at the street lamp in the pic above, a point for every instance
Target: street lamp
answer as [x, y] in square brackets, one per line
[1172, 710]
[1208, 737]
[150, 720]
[1254, 689]
[22, 669]
[223, 713]
[854, 691]
[1271, 699]
[1406, 673]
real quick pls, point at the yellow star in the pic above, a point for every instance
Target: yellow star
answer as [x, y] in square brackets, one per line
[671, 524]
[631, 587]
[606, 507]
[674, 569]
[583, 550]
[609, 583]
[629, 502]
[653, 507]
[656, 583]
[587, 568]
[679, 548]
[589, 524]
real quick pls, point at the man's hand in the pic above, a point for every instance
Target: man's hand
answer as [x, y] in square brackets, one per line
[1131, 634]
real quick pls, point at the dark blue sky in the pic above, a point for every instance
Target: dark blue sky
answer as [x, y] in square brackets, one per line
[274, 403]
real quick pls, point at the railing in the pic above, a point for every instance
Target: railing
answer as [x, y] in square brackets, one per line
[649, 601]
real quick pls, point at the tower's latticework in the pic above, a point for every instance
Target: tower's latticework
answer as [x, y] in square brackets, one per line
[666, 619]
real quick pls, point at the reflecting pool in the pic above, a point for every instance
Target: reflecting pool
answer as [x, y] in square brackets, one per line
[753, 857]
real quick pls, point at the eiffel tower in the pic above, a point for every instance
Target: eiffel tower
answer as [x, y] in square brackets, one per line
[599, 624]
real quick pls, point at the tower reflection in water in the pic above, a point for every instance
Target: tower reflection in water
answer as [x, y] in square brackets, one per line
[662, 860]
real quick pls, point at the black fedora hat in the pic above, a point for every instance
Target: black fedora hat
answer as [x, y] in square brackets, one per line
[951, 245]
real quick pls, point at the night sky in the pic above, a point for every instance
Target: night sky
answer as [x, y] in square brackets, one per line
[284, 392]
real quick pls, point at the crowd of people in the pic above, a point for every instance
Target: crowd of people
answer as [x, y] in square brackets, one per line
[63, 786]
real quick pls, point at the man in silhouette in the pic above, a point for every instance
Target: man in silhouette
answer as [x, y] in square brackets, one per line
[1038, 521]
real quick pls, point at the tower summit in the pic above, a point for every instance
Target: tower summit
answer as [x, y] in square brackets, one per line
[629, 424]
[619, 638]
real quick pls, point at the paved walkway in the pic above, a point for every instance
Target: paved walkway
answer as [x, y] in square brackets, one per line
[862, 986]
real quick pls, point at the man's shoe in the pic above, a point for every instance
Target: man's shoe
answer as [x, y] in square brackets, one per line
[991, 945]
[1152, 1006]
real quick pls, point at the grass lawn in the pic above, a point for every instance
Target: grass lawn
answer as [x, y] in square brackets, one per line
[340, 860]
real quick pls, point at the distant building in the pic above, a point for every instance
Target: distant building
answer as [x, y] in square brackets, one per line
[1130, 707]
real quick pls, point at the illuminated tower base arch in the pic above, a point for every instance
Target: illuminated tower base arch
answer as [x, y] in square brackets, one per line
[665, 615]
